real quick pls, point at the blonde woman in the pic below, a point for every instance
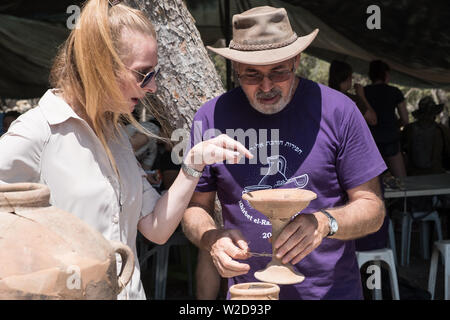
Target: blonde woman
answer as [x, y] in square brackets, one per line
[73, 142]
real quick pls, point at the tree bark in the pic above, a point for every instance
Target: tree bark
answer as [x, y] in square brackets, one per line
[188, 77]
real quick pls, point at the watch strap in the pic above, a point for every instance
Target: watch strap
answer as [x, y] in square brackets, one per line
[190, 171]
[330, 220]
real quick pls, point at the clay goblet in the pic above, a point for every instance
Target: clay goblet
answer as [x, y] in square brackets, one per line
[279, 205]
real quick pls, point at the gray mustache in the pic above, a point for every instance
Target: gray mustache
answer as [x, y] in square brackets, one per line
[268, 95]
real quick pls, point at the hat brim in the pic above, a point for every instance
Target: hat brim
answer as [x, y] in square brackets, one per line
[266, 57]
[435, 110]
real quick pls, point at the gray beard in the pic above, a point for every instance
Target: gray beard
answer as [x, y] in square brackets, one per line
[272, 108]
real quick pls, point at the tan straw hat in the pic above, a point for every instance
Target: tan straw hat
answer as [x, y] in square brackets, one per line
[427, 107]
[263, 36]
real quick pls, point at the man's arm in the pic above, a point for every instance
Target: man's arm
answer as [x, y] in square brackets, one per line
[224, 245]
[197, 218]
[364, 214]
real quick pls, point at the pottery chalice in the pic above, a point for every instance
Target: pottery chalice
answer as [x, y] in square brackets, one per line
[279, 206]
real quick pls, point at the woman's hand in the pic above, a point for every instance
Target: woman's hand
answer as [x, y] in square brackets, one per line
[160, 225]
[216, 150]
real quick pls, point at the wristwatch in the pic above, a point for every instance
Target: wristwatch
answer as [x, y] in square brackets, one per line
[332, 223]
[190, 171]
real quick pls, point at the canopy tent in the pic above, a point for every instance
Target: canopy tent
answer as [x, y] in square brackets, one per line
[30, 34]
[27, 48]
[414, 36]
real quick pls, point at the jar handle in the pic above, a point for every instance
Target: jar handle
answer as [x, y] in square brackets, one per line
[127, 267]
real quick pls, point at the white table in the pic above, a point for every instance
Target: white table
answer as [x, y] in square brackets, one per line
[416, 186]
[428, 185]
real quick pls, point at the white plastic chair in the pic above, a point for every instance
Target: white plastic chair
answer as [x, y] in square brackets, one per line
[442, 247]
[425, 236]
[391, 242]
[387, 256]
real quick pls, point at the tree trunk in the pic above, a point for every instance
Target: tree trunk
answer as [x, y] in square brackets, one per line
[188, 77]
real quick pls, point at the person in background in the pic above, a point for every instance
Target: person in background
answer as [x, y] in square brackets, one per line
[340, 78]
[164, 167]
[426, 143]
[145, 147]
[386, 100]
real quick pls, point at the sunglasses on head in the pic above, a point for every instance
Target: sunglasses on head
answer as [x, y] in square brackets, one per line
[146, 78]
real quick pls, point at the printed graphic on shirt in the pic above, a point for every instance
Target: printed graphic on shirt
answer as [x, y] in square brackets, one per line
[275, 175]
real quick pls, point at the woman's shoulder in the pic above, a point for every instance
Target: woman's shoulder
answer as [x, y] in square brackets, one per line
[336, 99]
[32, 123]
[392, 88]
[381, 87]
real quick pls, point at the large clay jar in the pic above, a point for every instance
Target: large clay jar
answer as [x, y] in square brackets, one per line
[254, 291]
[47, 253]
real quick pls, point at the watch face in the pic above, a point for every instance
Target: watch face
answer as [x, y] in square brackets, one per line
[334, 226]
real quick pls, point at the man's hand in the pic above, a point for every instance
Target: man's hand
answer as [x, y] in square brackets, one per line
[300, 237]
[225, 246]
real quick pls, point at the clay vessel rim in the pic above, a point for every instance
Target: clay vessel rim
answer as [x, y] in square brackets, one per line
[276, 195]
[245, 288]
[23, 195]
[21, 187]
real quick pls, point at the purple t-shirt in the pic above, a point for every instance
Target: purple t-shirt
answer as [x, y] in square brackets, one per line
[319, 142]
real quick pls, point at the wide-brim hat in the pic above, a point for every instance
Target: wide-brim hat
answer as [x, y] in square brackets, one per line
[428, 107]
[263, 36]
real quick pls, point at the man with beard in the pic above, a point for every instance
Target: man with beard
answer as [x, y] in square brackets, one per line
[318, 141]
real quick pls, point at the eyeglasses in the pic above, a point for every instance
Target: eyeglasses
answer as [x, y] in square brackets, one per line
[274, 76]
[145, 79]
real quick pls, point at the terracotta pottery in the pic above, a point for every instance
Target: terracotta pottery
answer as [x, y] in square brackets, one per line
[279, 205]
[47, 253]
[254, 291]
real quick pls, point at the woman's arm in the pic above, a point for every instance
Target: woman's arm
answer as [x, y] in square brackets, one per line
[370, 115]
[403, 113]
[162, 222]
[21, 148]
[159, 225]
